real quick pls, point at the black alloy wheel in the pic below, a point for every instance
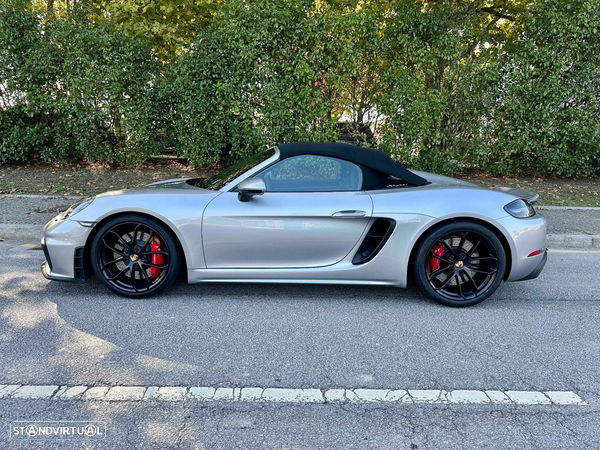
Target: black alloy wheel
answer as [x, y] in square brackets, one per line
[135, 256]
[460, 264]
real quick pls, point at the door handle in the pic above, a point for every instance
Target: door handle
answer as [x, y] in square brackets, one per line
[349, 214]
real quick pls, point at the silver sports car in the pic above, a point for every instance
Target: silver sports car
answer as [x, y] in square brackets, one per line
[303, 213]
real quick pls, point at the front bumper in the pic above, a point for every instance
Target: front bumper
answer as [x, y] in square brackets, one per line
[80, 273]
[536, 272]
[525, 236]
[63, 244]
[47, 272]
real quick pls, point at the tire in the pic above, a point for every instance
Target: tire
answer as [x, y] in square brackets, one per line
[474, 261]
[130, 262]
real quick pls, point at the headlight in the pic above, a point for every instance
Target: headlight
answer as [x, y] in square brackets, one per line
[520, 209]
[77, 207]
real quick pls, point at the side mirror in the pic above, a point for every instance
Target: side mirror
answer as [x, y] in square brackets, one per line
[249, 188]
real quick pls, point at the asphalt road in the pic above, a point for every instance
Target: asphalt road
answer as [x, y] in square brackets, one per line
[536, 335]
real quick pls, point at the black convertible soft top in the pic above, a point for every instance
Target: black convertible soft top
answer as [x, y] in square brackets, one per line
[370, 157]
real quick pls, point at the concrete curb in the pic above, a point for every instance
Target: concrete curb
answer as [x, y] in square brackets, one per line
[572, 241]
[48, 197]
[568, 208]
[21, 232]
[30, 233]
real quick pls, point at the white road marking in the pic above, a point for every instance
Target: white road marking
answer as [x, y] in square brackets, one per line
[467, 396]
[223, 394]
[7, 389]
[204, 393]
[171, 393]
[34, 392]
[371, 395]
[426, 396]
[293, 395]
[528, 398]
[151, 393]
[498, 397]
[70, 393]
[284, 395]
[564, 398]
[61, 390]
[125, 393]
[95, 393]
[399, 395]
[335, 395]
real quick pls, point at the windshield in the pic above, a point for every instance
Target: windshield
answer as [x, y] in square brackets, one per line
[229, 174]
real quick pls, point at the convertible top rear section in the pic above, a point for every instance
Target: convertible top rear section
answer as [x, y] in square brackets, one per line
[372, 158]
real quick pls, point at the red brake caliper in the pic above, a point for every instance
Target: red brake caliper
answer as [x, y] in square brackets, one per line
[434, 263]
[157, 259]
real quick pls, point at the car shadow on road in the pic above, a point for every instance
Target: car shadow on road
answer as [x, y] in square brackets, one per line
[211, 326]
[239, 334]
[247, 291]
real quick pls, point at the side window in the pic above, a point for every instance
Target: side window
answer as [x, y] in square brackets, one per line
[312, 173]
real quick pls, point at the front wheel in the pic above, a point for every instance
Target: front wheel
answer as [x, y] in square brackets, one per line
[135, 256]
[459, 264]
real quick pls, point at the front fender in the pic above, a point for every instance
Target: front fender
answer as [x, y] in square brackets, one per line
[179, 210]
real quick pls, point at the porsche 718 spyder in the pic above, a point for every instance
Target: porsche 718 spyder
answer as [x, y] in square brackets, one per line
[303, 213]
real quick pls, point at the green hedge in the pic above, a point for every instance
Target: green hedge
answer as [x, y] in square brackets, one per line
[72, 90]
[450, 85]
[254, 78]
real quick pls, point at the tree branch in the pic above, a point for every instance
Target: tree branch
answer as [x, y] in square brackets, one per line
[492, 10]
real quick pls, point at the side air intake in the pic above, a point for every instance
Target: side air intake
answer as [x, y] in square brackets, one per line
[376, 238]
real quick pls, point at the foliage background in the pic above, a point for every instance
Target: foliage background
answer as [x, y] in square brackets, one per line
[506, 86]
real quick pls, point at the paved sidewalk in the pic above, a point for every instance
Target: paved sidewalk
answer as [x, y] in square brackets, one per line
[572, 221]
[23, 217]
[32, 210]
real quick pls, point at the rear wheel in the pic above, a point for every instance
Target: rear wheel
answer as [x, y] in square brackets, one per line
[135, 256]
[460, 264]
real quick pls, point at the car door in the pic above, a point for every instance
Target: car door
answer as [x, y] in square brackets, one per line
[311, 215]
